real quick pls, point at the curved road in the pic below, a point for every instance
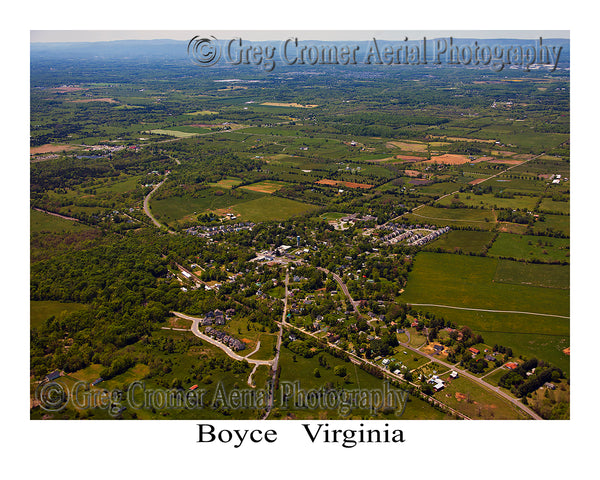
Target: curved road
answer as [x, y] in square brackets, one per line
[147, 206]
[486, 310]
[344, 288]
[196, 331]
[479, 381]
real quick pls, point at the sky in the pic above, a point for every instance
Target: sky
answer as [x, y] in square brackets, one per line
[46, 36]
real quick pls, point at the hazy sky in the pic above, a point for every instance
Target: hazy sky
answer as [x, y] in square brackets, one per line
[107, 35]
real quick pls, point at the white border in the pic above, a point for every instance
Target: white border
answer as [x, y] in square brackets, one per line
[160, 449]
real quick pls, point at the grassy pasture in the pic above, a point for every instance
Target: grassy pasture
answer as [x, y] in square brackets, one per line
[463, 240]
[531, 247]
[41, 310]
[226, 183]
[542, 346]
[476, 401]
[189, 129]
[270, 208]
[549, 205]
[202, 112]
[457, 215]
[172, 133]
[266, 186]
[332, 215]
[465, 281]
[43, 222]
[490, 201]
[121, 185]
[302, 370]
[551, 276]
[560, 223]
[176, 208]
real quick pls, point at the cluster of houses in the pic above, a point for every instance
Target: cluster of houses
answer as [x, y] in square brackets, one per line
[402, 232]
[217, 317]
[417, 239]
[396, 236]
[209, 231]
[356, 217]
[225, 338]
[436, 382]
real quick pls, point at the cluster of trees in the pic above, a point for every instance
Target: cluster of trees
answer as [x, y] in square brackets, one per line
[522, 384]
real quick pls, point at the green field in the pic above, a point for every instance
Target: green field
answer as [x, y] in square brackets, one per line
[479, 403]
[121, 185]
[465, 241]
[465, 281]
[43, 222]
[189, 129]
[531, 247]
[488, 200]
[549, 205]
[558, 223]
[332, 215]
[40, 311]
[301, 369]
[458, 216]
[266, 186]
[551, 276]
[176, 208]
[226, 183]
[270, 208]
[172, 133]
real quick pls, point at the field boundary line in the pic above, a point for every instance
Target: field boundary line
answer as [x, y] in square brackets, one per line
[487, 310]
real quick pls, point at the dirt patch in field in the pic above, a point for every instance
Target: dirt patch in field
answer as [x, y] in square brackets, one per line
[506, 161]
[408, 147]
[266, 188]
[419, 181]
[297, 105]
[410, 158]
[224, 211]
[462, 139]
[88, 100]
[460, 396]
[333, 183]
[49, 148]
[412, 173]
[482, 159]
[449, 159]
[65, 89]
[476, 181]
[504, 153]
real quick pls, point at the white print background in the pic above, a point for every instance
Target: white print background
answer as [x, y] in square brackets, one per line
[167, 449]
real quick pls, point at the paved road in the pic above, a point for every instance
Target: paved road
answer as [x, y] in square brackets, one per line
[487, 310]
[344, 288]
[56, 214]
[278, 349]
[147, 205]
[355, 359]
[457, 191]
[479, 381]
[196, 331]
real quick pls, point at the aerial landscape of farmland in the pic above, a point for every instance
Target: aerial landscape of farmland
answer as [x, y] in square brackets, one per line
[233, 231]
